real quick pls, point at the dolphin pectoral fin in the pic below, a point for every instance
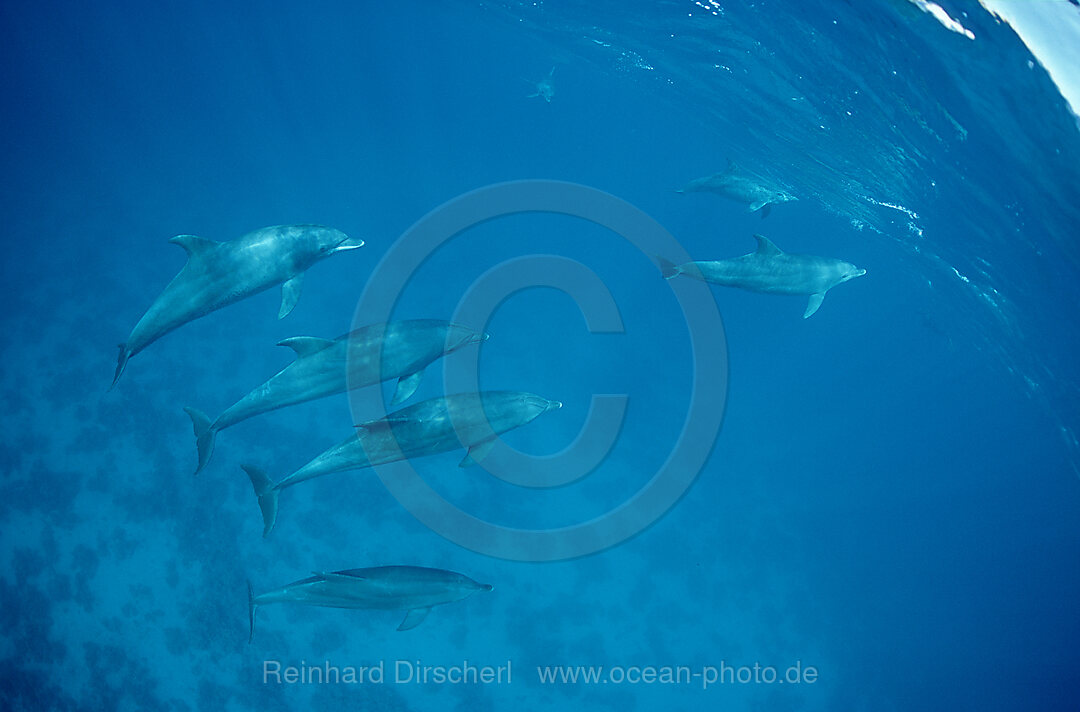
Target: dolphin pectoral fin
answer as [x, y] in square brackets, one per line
[766, 248]
[414, 618]
[406, 386]
[267, 494]
[121, 363]
[306, 345]
[477, 453]
[193, 244]
[251, 613]
[813, 304]
[765, 210]
[290, 294]
[758, 205]
[204, 436]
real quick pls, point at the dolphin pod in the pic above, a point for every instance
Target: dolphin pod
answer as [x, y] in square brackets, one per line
[433, 426]
[221, 273]
[741, 187]
[323, 367]
[772, 271]
[410, 588]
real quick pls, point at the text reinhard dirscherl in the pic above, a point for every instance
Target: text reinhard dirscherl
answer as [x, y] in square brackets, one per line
[415, 672]
[398, 672]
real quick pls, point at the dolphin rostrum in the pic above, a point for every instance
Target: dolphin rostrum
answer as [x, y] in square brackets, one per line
[323, 367]
[389, 588]
[220, 273]
[772, 271]
[740, 187]
[470, 420]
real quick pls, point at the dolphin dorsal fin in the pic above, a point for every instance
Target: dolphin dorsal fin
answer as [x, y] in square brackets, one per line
[193, 244]
[765, 247]
[306, 345]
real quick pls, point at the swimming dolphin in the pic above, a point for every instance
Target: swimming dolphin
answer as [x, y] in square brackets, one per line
[323, 367]
[545, 88]
[220, 273]
[772, 271]
[740, 187]
[389, 588]
[426, 428]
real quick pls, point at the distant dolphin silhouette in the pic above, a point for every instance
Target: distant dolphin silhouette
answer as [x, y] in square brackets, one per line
[545, 88]
[740, 187]
[323, 367]
[426, 428]
[411, 588]
[772, 271]
[220, 273]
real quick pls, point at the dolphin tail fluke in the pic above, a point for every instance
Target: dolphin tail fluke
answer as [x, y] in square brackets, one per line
[267, 494]
[251, 612]
[668, 268]
[204, 436]
[121, 363]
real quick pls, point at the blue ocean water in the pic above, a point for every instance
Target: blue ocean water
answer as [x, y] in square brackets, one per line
[893, 497]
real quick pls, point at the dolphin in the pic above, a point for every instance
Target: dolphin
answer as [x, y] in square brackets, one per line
[740, 187]
[545, 88]
[772, 271]
[323, 367]
[220, 273]
[412, 588]
[470, 420]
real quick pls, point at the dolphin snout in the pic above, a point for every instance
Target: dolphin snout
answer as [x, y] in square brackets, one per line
[470, 337]
[349, 243]
[542, 405]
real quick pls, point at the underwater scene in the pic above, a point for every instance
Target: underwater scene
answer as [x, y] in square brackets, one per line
[674, 355]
